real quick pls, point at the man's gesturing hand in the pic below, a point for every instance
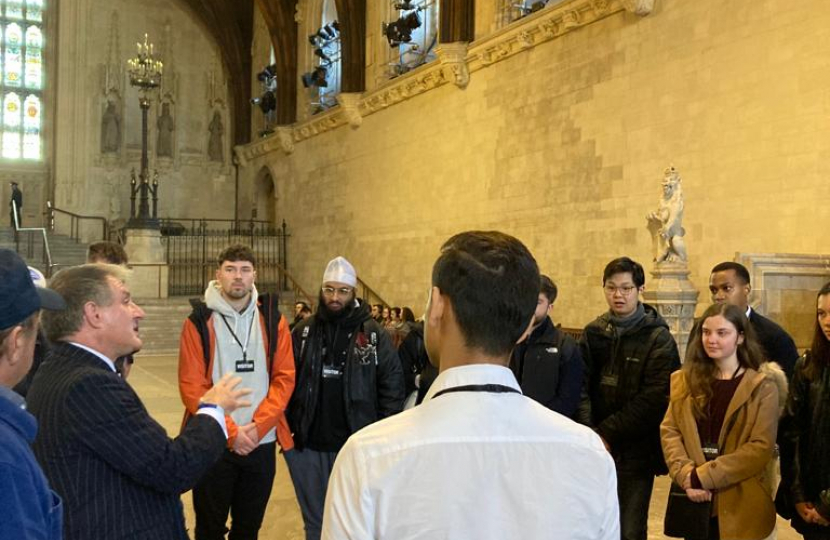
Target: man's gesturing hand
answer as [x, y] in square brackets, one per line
[225, 394]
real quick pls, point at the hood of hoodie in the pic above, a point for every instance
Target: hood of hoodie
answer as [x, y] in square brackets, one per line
[349, 317]
[217, 302]
[604, 324]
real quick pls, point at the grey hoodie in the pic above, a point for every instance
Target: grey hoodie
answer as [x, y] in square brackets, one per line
[227, 352]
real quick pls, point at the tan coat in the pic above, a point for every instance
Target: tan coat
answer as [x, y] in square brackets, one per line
[743, 499]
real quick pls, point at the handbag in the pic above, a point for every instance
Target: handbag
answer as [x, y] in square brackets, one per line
[685, 518]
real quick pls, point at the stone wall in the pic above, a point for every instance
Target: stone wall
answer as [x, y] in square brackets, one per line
[564, 144]
[96, 37]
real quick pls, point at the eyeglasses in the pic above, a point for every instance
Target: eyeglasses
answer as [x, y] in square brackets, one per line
[625, 290]
[342, 291]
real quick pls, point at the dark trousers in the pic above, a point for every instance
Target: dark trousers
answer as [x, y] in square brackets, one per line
[634, 493]
[310, 471]
[239, 484]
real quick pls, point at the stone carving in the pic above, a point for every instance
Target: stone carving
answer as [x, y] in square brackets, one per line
[666, 223]
[215, 150]
[286, 138]
[599, 6]
[350, 103]
[299, 11]
[165, 125]
[110, 129]
[571, 19]
[639, 7]
[453, 57]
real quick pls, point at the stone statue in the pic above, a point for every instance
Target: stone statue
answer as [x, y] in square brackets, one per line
[165, 125]
[215, 152]
[110, 129]
[666, 223]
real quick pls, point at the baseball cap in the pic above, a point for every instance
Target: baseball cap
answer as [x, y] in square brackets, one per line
[19, 297]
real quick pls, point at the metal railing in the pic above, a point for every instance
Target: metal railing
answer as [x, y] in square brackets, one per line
[74, 221]
[30, 233]
[192, 255]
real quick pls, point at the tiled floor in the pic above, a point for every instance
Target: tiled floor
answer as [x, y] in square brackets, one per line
[154, 378]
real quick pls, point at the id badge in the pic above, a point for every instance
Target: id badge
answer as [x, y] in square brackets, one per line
[609, 380]
[710, 452]
[332, 372]
[244, 366]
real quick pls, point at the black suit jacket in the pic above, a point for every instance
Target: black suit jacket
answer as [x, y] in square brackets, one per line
[777, 343]
[119, 474]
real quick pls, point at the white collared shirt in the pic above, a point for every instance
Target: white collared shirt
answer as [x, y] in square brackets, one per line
[470, 465]
[217, 413]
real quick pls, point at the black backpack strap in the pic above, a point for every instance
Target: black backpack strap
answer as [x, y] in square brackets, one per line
[269, 308]
[199, 317]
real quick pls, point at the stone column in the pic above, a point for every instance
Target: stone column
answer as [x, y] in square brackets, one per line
[148, 261]
[675, 298]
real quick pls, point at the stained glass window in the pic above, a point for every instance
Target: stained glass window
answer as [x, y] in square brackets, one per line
[21, 78]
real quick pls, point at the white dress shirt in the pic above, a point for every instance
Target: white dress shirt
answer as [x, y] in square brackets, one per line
[473, 465]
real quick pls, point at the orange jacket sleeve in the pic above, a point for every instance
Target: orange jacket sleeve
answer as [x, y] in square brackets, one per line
[271, 411]
[194, 379]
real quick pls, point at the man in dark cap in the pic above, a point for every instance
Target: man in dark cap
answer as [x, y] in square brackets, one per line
[16, 202]
[31, 509]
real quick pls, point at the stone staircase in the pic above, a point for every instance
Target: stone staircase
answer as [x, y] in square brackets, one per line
[162, 324]
[65, 251]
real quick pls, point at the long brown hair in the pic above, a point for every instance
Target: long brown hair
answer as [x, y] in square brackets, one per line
[819, 356]
[701, 370]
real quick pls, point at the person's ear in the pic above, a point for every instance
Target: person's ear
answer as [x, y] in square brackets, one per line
[740, 338]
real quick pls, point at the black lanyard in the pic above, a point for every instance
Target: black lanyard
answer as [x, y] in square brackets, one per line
[247, 341]
[492, 388]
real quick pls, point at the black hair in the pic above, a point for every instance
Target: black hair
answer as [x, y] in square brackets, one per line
[623, 265]
[492, 282]
[739, 269]
[548, 288]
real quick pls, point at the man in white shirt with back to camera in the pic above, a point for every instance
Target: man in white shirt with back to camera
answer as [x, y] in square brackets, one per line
[477, 459]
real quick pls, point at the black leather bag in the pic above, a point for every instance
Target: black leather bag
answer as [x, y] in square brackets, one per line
[684, 518]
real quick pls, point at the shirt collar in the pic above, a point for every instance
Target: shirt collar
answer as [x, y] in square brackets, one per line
[16, 399]
[106, 360]
[748, 311]
[472, 374]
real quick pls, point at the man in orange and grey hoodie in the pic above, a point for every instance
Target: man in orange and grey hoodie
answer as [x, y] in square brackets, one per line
[235, 330]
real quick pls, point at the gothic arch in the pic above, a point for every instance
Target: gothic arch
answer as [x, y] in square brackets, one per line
[265, 196]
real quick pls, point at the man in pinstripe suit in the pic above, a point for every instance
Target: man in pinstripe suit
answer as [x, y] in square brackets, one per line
[118, 473]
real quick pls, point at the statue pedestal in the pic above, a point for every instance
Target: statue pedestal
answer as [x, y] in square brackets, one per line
[150, 277]
[675, 298]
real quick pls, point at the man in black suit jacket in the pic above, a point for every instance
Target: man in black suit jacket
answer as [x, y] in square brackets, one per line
[729, 283]
[118, 473]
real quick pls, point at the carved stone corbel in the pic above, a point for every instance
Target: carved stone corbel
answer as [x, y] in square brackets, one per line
[570, 19]
[639, 7]
[454, 68]
[239, 153]
[350, 104]
[299, 11]
[286, 137]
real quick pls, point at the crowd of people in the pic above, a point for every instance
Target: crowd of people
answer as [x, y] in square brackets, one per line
[510, 427]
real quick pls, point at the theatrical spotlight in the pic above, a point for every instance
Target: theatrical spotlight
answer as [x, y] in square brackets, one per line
[319, 53]
[267, 74]
[400, 31]
[404, 5]
[315, 78]
[267, 102]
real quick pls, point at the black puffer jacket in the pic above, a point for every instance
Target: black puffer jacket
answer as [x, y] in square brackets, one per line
[373, 386]
[627, 389]
[549, 368]
[804, 441]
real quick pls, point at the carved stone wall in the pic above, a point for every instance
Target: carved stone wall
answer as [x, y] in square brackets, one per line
[557, 139]
[96, 38]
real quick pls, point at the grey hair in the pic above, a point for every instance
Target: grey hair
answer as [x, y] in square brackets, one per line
[79, 285]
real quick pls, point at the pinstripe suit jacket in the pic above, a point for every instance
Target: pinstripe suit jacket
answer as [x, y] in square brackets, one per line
[118, 473]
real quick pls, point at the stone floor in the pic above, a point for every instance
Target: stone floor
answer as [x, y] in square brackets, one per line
[154, 378]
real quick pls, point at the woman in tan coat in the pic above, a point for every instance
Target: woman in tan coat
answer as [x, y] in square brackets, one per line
[719, 431]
